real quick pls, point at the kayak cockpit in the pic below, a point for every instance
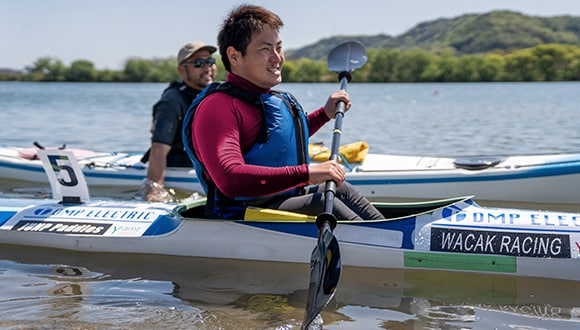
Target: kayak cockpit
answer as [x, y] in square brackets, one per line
[391, 211]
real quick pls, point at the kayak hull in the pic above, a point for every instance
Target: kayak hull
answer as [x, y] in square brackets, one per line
[450, 235]
[535, 178]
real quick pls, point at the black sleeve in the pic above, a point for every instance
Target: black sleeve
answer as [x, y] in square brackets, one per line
[166, 118]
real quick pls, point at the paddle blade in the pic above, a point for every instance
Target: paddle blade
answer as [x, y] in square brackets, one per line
[347, 56]
[325, 269]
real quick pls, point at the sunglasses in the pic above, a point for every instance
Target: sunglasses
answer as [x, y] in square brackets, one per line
[201, 62]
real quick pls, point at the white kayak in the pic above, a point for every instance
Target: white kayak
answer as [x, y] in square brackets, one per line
[451, 235]
[551, 178]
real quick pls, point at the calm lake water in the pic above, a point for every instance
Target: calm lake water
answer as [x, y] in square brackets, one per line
[45, 289]
[411, 119]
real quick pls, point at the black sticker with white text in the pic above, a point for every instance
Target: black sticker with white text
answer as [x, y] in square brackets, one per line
[520, 244]
[62, 227]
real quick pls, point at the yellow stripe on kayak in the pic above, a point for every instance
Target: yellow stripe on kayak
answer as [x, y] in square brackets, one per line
[260, 214]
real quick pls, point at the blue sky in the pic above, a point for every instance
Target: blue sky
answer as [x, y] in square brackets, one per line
[108, 32]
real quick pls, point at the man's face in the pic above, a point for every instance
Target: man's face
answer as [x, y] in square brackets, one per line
[262, 64]
[197, 77]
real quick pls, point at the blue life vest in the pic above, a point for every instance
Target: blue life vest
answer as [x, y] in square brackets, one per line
[282, 141]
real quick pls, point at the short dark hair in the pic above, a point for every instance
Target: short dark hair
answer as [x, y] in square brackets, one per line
[241, 25]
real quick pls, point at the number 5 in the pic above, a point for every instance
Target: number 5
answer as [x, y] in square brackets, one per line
[60, 167]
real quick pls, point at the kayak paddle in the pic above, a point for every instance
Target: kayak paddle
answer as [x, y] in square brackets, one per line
[325, 264]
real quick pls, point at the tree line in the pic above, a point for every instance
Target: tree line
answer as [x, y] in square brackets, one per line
[548, 62]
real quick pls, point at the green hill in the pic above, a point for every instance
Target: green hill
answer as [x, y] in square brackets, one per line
[496, 31]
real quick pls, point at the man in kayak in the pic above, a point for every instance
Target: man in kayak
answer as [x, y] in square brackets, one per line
[253, 151]
[197, 69]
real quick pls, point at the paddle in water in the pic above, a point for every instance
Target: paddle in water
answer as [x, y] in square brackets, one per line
[325, 264]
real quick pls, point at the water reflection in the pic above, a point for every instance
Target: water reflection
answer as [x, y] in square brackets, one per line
[55, 295]
[97, 289]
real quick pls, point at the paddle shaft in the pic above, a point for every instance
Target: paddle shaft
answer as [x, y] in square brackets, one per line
[325, 264]
[330, 187]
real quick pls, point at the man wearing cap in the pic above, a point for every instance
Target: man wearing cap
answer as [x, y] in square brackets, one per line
[197, 69]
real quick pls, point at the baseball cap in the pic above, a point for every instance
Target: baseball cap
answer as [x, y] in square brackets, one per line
[191, 48]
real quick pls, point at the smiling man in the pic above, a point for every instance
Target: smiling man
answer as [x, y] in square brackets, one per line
[197, 69]
[256, 153]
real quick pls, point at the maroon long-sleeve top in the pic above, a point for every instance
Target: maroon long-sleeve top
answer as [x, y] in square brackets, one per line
[224, 127]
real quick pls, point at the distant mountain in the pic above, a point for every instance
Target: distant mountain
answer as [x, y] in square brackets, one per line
[467, 34]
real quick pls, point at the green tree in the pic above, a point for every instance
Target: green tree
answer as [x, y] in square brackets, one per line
[469, 68]
[81, 71]
[492, 67]
[308, 70]
[162, 70]
[48, 69]
[441, 68]
[522, 65]
[137, 70]
[107, 75]
[287, 71]
[381, 65]
[573, 71]
[411, 65]
[553, 60]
